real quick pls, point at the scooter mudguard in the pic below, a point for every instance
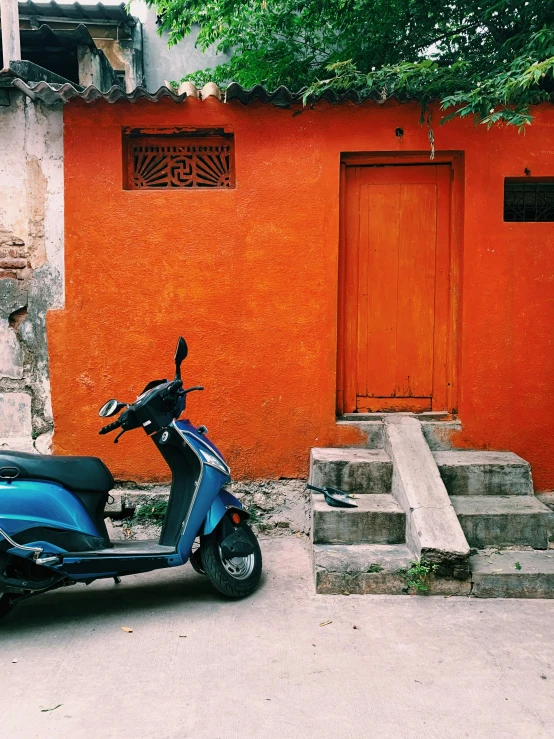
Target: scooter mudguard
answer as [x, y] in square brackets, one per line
[218, 509]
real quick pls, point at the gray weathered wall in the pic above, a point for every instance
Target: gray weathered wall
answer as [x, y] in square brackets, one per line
[95, 69]
[31, 266]
[163, 63]
[126, 55]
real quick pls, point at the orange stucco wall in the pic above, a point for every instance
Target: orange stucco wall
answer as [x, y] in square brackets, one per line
[249, 277]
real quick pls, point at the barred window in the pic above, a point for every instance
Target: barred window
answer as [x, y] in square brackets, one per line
[531, 199]
[179, 161]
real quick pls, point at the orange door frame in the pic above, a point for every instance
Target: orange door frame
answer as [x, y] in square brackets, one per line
[446, 396]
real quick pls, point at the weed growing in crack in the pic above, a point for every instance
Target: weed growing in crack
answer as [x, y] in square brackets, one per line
[419, 574]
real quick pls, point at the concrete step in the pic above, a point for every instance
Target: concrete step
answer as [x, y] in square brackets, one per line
[547, 498]
[438, 433]
[354, 470]
[372, 431]
[377, 520]
[509, 520]
[363, 569]
[484, 473]
[513, 574]
[373, 569]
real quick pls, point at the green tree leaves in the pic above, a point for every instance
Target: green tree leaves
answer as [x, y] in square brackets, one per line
[489, 60]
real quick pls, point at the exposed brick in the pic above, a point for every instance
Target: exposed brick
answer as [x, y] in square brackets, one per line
[9, 240]
[12, 263]
[17, 252]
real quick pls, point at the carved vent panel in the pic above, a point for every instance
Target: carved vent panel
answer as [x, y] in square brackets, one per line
[531, 200]
[158, 162]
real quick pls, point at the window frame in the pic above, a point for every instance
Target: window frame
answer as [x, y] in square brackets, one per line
[203, 169]
[512, 182]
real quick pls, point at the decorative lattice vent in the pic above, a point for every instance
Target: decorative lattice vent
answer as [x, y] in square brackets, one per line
[531, 200]
[188, 161]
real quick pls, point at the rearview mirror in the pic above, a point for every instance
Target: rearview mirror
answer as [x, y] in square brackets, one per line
[110, 408]
[180, 354]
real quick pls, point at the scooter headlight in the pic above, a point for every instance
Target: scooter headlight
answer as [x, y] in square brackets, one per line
[213, 461]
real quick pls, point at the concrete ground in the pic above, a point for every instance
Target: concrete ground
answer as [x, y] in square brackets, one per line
[198, 666]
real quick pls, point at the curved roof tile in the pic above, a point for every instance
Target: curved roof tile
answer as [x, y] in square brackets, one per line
[50, 94]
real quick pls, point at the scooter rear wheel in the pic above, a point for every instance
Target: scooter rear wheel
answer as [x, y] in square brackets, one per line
[236, 577]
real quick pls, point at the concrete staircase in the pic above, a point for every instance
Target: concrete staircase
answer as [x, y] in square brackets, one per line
[508, 528]
[472, 514]
[359, 550]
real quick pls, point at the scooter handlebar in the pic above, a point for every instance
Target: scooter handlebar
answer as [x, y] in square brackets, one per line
[110, 427]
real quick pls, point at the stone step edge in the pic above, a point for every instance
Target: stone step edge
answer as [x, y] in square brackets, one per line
[378, 520]
[385, 574]
[509, 520]
[499, 505]
[513, 574]
[366, 503]
[474, 472]
[319, 454]
[438, 434]
[358, 470]
[508, 573]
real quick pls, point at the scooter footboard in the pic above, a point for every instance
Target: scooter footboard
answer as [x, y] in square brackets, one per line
[219, 507]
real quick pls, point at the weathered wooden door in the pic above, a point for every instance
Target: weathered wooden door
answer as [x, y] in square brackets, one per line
[395, 286]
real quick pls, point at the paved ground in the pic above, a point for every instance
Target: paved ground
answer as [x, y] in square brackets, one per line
[198, 666]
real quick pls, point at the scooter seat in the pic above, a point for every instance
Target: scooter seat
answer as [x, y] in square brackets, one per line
[79, 474]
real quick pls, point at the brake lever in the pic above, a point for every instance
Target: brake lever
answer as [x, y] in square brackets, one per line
[116, 440]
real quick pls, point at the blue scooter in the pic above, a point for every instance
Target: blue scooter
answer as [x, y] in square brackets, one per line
[52, 530]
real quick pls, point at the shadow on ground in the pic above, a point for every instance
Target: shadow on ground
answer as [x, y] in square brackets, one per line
[136, 594]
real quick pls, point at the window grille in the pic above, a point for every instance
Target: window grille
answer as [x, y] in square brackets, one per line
[531, 200]
[168, 161]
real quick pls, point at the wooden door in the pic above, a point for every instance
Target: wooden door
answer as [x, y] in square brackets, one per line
[395, 288]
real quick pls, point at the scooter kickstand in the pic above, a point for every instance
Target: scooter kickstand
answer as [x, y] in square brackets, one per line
[117, 580]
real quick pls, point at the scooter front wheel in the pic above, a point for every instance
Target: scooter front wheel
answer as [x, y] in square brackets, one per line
[236, 577]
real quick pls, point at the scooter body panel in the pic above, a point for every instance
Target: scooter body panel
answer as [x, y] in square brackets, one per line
[214, 475]
[90, 568]
[37, 504]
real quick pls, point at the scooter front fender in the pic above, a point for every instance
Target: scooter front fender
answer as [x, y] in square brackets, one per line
[218, 509]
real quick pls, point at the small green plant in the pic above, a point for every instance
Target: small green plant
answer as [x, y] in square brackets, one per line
[418, 576]
[151, 512]
[517, 566]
